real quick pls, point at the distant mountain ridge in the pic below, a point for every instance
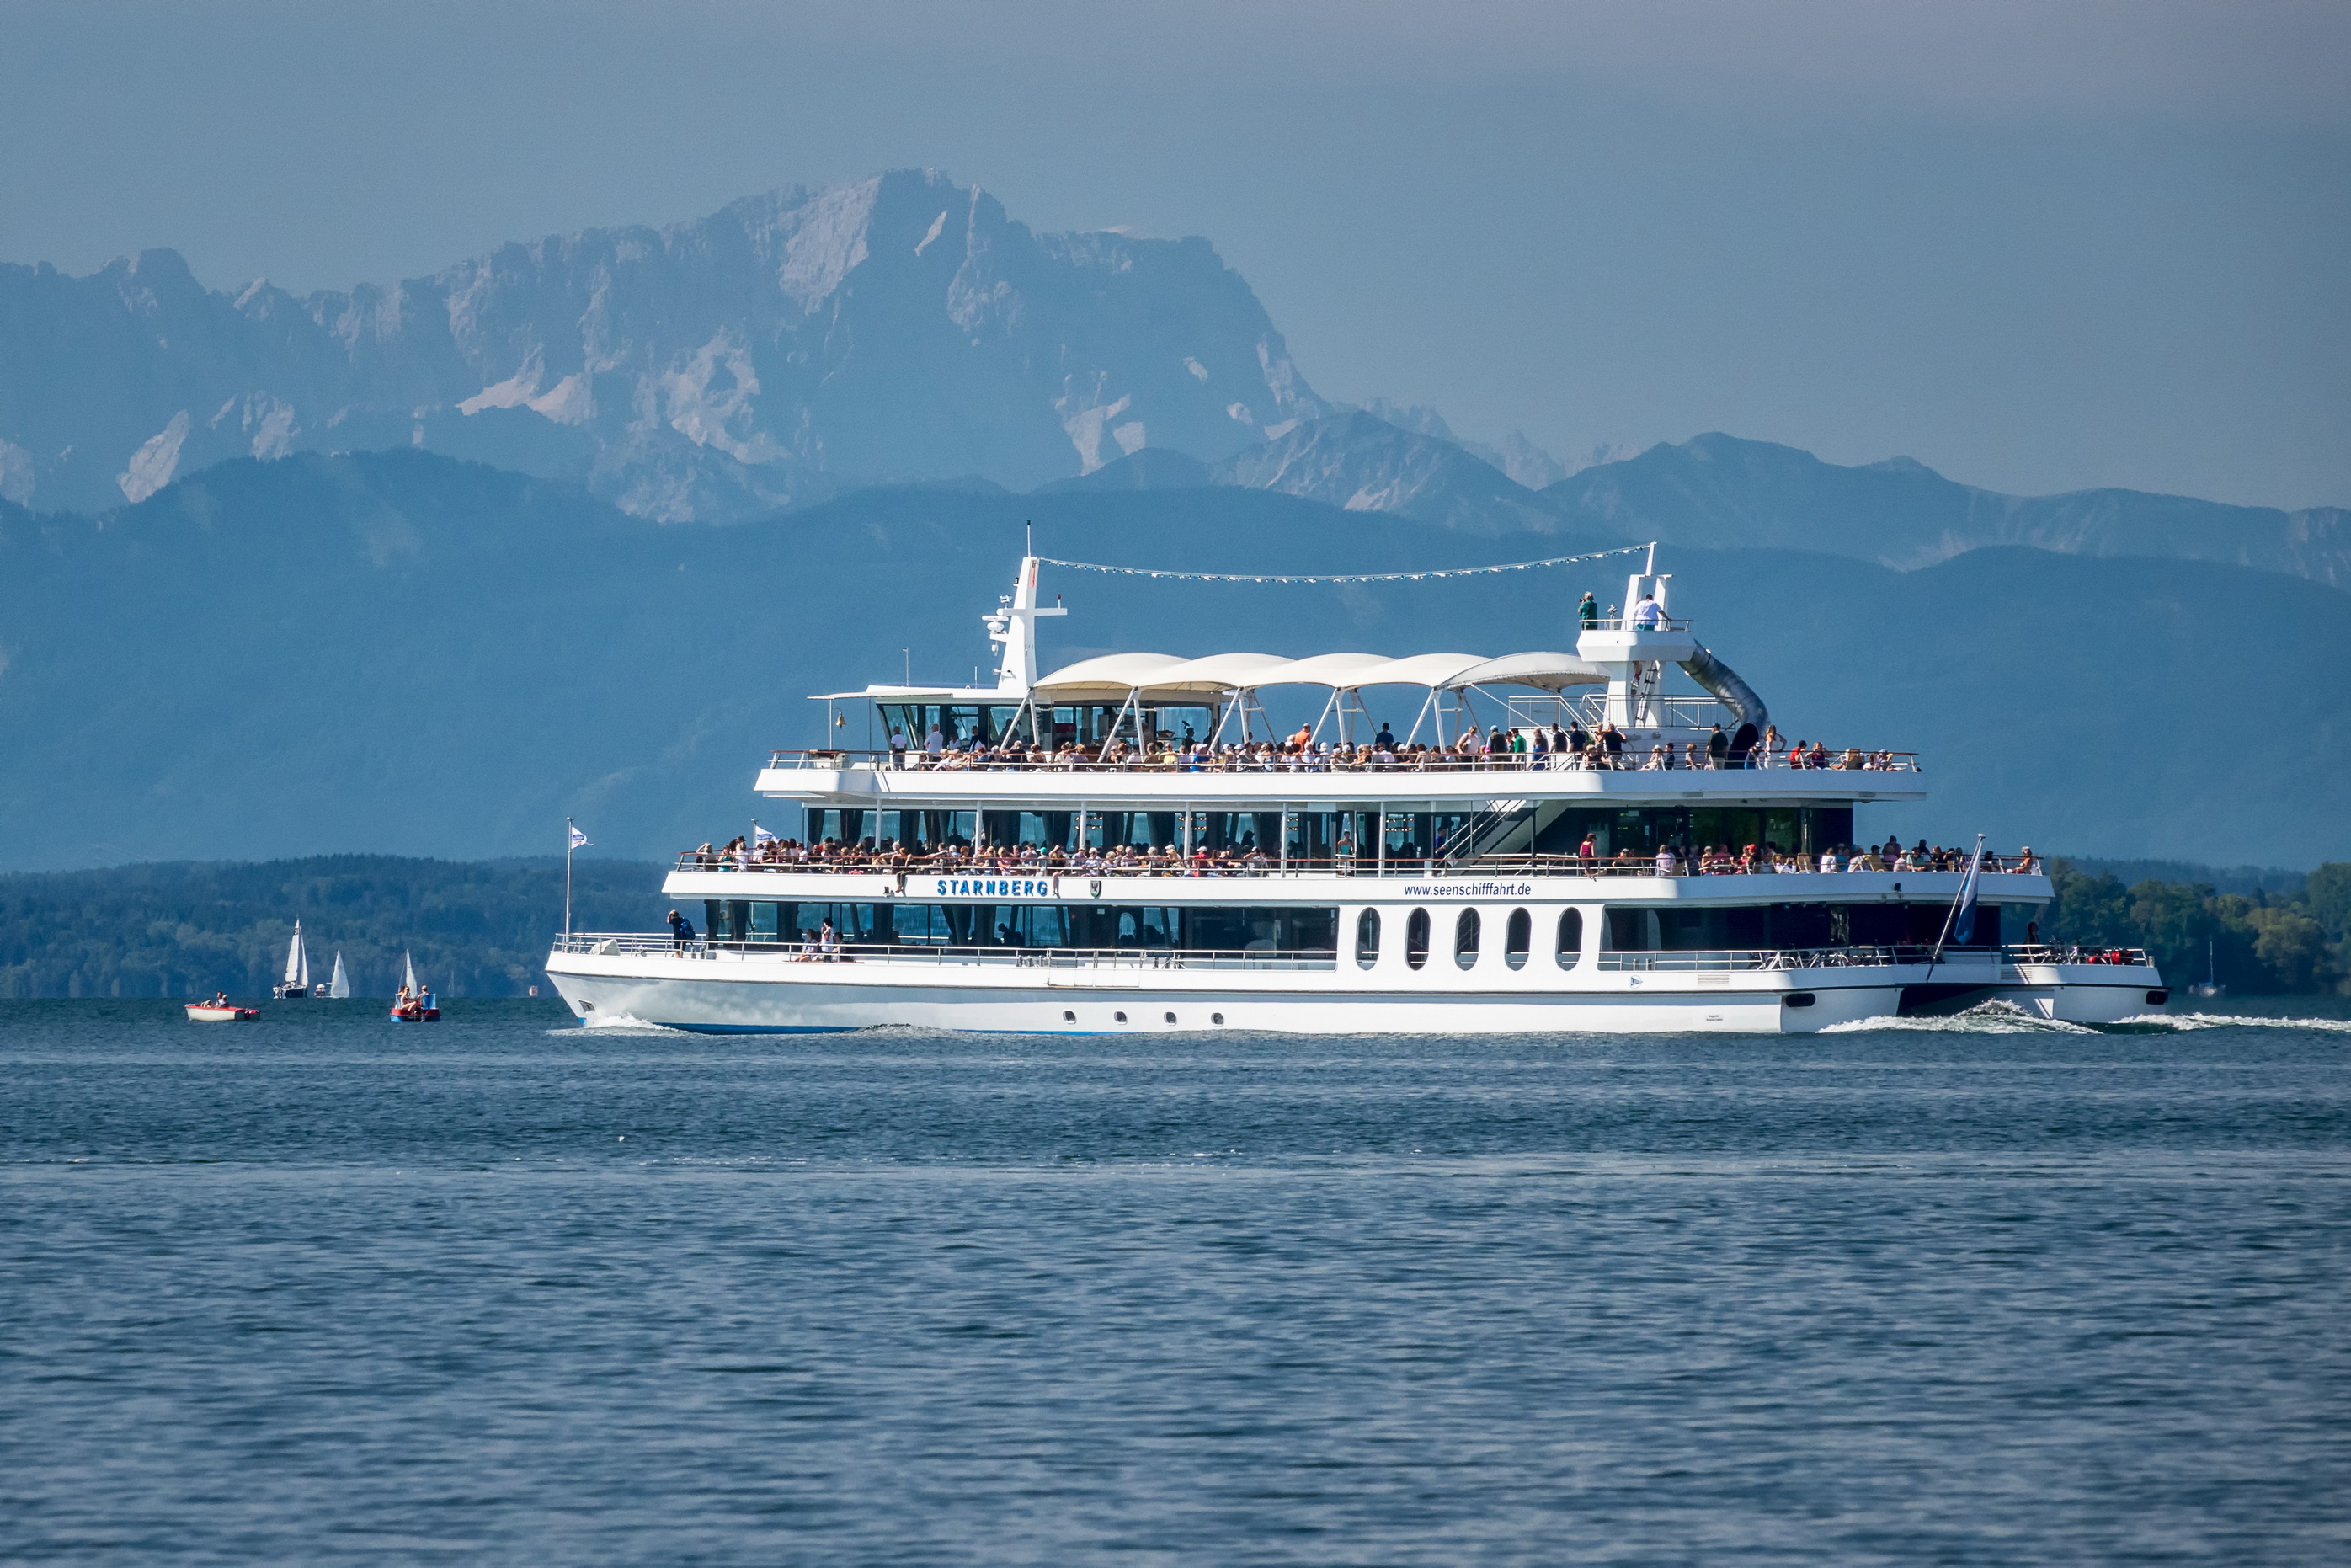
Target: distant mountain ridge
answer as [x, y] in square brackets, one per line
[770, 354]
[802, 344]
[1725, 493]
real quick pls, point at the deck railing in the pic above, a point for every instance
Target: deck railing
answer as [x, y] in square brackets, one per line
[640, 944]
[2072, 953]
[1698, 961]
[1414, 866]
[1280, 762]
[1897, 955]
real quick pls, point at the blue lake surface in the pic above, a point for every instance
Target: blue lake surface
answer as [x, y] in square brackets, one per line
[503, 1289]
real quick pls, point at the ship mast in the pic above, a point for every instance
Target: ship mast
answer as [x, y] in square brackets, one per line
[1012, 627]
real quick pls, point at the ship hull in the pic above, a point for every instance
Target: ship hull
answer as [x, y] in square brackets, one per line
[783, 997]
[2087, 993]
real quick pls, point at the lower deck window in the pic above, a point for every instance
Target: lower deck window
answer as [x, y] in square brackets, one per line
[1263, 929]
[1571, 938]
[1787, 926]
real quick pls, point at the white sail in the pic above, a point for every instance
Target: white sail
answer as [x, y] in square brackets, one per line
[340, 986]
[408, 973]
[297, 961]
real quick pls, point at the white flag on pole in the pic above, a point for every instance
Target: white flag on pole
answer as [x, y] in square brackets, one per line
[760, 835]
[579, 838]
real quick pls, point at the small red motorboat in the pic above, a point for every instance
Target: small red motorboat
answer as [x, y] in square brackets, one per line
[220, 1010]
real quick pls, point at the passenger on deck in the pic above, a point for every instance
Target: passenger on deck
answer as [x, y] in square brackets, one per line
[1645, 615]
[1587, 612]
[1717, 749]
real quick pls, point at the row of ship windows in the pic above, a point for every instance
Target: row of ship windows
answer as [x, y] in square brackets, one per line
[1469, 938]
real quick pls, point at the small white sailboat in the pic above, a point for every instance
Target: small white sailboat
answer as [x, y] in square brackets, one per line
[414, 1004]
[2210, 985]
[297, 983]
[339, 988]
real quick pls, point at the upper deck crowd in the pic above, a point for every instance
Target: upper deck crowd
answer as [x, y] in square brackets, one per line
[961, 857]
[1560, 748]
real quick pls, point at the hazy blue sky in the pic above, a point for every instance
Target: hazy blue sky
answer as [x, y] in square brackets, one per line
[2039, 246]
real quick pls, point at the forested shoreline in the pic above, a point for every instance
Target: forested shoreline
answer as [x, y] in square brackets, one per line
[477, 928]
[2256, 944]
[480, 928]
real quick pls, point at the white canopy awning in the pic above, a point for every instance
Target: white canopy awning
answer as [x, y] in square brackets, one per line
[1345, 671]
[1113, 677]
[1223, 673]
[1424, 670]
[1546, 672]
[1108, 677]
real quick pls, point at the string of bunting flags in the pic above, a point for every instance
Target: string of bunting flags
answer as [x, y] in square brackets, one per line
[1349, 576]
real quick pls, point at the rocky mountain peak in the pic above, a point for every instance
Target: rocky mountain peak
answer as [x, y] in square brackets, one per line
[795, 342]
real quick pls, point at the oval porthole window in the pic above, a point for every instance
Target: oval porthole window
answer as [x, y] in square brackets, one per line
[1119, 1017]
[1367, 939]
[1466, 927]
[1415, 938]
[1217, 1018]
[1069, 1017]
[1571, 938]
[1170, 1017]
[1517, 938]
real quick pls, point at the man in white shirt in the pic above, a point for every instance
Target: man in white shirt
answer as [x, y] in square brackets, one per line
[1645, 615]
[932, 745]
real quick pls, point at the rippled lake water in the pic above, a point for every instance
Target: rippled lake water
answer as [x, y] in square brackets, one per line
[503, 1290]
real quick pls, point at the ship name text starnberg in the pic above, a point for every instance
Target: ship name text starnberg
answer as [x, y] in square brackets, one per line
[1125, 846]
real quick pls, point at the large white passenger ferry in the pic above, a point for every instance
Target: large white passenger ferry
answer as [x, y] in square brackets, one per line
[1125, 845]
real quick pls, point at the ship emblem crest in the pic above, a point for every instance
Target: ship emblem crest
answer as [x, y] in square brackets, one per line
[1093, 887]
